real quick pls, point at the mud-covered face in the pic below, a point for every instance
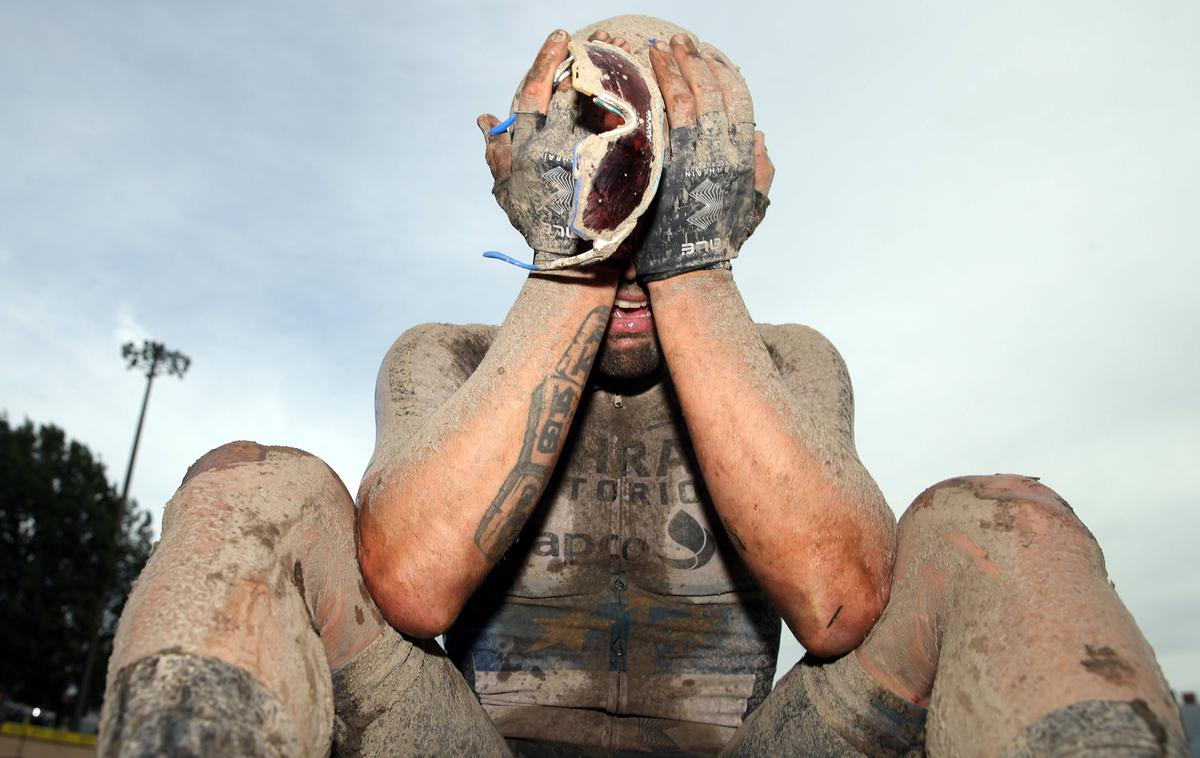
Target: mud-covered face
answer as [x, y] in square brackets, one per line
[631, 349]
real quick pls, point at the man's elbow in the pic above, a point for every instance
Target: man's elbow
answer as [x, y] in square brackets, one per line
[415, 599]
[844, 630]
[841, 611]
[417, 609]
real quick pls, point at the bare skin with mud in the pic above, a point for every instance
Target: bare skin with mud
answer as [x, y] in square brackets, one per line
[611, 504]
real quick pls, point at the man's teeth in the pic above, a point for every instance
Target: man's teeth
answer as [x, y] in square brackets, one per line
[629, 305]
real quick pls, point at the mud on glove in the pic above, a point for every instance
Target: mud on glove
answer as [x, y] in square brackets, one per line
[537, 195]
[707, 205]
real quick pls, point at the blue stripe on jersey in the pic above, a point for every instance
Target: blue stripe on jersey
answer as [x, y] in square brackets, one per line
[605, 632]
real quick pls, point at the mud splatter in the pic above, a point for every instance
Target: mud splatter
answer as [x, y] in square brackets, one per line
[358, 615]
[298, 579]
[1104, 662]
[1152, 723]
[1003, 519]
[836, 613]
[267, 534]
[174, 703]
[370, 601]
[964, 700]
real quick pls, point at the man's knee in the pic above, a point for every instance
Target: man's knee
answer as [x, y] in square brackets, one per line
[997, 508]
[229, 454]
[1009, 500]
[274, 486]
[250, 541]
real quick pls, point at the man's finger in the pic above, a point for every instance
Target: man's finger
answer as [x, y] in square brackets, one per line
[736, 94]
[539, 82]
[563, 104]
[677, 95]
[602, 36]
[704, 86]
[498, 150]
[764, 170]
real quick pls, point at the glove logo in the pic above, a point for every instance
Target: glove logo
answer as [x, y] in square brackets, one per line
[561, 182]
[711, 198]
[690, 534]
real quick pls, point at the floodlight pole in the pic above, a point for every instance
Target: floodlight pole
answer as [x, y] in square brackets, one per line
[155, 359]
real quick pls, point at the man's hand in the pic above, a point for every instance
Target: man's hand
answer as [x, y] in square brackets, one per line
[714, 187]
[531, 163]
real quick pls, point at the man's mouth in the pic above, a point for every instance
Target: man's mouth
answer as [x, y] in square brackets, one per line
[631, 315]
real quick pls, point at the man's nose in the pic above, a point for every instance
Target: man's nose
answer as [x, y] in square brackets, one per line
[630, 274]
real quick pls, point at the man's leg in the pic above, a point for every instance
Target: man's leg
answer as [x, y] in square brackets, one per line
[1003, 622]
[251, 597]
[830, 709]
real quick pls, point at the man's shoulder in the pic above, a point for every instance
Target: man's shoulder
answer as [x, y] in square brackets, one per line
[453, 337]
[791, 345]
[453, 346]
[810, 365]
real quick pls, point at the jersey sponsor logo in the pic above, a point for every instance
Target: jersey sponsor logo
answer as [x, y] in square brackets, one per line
[684, 530]
[571, 546]
[654, 492]
[690, 534]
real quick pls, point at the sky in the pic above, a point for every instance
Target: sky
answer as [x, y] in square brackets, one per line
[993, 210]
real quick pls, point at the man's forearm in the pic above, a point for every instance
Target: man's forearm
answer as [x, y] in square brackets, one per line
[807, 518]
[439, 507]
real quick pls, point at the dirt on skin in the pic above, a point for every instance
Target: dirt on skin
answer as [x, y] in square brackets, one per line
[400, 697]
[1099, 729]
[256, 560]
[831, 709]
[162, 706]
[432, 363]
[1002, 592]
[808, 390]
[419, 404]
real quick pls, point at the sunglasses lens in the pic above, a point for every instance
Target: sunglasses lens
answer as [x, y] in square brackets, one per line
[624, 174]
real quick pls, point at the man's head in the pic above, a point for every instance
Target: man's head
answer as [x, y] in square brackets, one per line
[631, 349]
[638, 31]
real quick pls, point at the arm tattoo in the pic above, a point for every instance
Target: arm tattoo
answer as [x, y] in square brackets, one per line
[550, 407]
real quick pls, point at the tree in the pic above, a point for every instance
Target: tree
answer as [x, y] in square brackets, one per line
[62, 557]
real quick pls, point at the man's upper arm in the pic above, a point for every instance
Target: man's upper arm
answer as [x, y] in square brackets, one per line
[815, 373]
[423, 368]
